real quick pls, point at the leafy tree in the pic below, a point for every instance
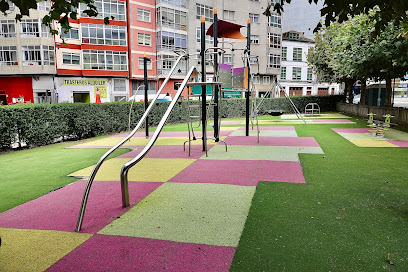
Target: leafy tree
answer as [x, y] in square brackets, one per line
[395, 11]
[346, 51]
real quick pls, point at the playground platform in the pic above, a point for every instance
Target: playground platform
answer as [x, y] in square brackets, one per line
[186, 213]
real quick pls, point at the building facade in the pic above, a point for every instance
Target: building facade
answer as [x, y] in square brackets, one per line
[296, 77]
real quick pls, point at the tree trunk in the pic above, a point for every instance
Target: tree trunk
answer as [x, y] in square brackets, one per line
[349, 90]
[362, 91]
[388, 91]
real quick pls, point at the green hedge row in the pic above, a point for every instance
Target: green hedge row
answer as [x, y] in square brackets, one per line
[41, 124]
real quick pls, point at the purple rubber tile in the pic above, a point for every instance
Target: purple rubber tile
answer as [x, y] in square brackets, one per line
[399, 143]
[240, 172]
[352, 130]
[272, 141]
[290, 128]
[332, 121]
[173, 134]
[59, 210]
[119, 253]
[168, 151]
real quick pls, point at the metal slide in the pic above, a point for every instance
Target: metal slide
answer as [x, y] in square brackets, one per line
[139, 124]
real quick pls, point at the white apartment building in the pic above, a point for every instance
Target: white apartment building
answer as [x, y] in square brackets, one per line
[296, 76]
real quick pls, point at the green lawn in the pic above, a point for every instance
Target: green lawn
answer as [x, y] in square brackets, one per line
[349, 215]
[28, 174]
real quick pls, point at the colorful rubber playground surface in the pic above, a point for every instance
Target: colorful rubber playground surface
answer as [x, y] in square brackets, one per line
[187, 213]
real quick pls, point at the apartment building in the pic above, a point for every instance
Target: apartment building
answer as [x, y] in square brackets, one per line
[296, 77]
[95, 57]
[27, 58]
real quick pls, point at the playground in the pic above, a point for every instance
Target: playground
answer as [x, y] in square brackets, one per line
[304, 198]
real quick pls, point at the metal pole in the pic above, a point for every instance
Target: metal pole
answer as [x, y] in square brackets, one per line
[216, 88]
[203, 87]
[146, 96]
[249, 80]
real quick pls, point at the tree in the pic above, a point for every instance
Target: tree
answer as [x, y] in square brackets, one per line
[346, 52]
[394, 11]
[61, 11]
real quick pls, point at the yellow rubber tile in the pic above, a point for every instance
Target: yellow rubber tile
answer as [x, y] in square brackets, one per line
[141, 141]
[372, 143]
[35, 250]
[154, 170]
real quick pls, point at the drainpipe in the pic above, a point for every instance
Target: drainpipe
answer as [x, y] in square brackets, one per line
[128, 42]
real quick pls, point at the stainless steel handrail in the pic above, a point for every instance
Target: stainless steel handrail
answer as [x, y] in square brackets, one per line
[110, 151]
[125, 168]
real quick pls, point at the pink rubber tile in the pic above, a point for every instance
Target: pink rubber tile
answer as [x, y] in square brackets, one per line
[399, 143]
[332, 121]
[240, 172]
[273, 128]
[272, 141]
[174, 134]
[169, 151]
[119, 253]
[352, 130]
[59, 210]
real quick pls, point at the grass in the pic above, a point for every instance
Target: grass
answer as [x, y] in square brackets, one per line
[349, 215]
[28, 174]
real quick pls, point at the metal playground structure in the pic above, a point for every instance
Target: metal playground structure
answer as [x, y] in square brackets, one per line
[223, 80]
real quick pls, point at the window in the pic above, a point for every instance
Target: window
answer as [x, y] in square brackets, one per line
[177, 3]
[170, 41]
[7, 28]
[283, 72]
[48, 54]
[273, 61]
[256, 79]
[8, 55]
[208, 38]
[104, 60]
[44, 5]
[275, 20]
[143, 15]
[297, 73]
[143, 39]
[227, 58]
[103, 34]
[107, 8]
[12, 7]
[294, 36]
[229, 15]
[309, 74]
[172, 18]
[297, 54]
[30, 27]
[119, 85]
[284, 53]
[206, 11]
[255, 39]
[176, 85]
[254, 18]
[274, 40]
[266, 80]
[31, 55]
[253, 60]
[73, 33]
[254, 0]
[141, 63]
[71, 58]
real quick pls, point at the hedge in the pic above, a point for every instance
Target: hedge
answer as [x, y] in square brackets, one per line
[41, 124]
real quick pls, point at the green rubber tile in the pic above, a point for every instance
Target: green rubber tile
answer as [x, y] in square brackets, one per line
[360, 136]
[271, 153]
[153, 170]
[396, 135]
[35, 250]
[212, 214]
[271, 133]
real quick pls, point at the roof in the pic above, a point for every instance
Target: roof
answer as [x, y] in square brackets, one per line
[301, 36]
